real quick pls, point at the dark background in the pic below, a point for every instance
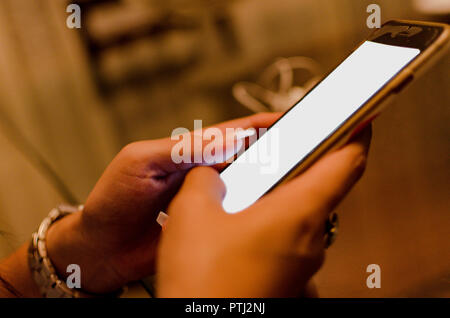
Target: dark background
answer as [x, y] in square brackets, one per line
[138, 69]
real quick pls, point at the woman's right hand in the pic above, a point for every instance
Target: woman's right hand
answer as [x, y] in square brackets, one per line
[271, 249]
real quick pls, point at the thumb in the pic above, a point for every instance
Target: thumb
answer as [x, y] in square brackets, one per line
[202, 188]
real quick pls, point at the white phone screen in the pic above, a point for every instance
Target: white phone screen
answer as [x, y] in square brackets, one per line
[315, 117]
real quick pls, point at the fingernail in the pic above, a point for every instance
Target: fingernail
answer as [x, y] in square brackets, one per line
[241, 134]
[162, 218]
[237, 141]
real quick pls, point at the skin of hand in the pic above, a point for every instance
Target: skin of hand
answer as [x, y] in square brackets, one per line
[114, 238]
[271, 249]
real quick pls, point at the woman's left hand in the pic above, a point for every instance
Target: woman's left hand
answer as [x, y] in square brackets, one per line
[114, 239]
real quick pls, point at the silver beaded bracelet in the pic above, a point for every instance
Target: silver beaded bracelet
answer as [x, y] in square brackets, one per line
[42, 269]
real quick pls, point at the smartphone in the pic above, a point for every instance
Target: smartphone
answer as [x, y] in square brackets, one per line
[340, 105]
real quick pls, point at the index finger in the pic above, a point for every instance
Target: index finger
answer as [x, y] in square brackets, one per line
[261, 120]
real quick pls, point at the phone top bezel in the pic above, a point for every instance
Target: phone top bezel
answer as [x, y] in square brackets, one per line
[421, 41]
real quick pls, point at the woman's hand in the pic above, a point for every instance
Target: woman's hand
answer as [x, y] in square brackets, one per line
[271, 249]
[114, 239]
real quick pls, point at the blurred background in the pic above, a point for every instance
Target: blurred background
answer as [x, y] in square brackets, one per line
[137, 69]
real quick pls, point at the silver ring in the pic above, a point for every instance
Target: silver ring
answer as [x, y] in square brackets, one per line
[331, 229]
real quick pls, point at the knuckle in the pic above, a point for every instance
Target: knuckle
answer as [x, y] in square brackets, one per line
[312, 255]
[129, 149]
[133, 151]
[309, 233]
[360, 164]
[309, 224]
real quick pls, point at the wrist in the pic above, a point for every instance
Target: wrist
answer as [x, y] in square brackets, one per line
[16, 279]
[69, 243]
